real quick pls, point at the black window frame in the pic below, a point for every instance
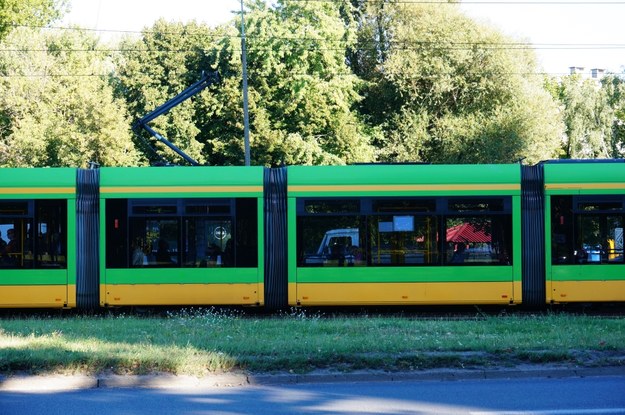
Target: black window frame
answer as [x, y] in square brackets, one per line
[36, 249]
[566, 216]
[122, 214]
[440, 208]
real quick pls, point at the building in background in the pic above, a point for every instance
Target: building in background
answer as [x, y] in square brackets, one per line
[595, 74]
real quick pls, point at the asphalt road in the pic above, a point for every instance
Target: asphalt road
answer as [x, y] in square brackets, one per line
[601, 395]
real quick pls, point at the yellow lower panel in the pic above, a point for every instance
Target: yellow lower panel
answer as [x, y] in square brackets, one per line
[548, 291]
[587, 291]
[71, 296]
[49, 296]
[517, 293]
[261, 293]
[292, 293]
[180, 294]
[405, 293]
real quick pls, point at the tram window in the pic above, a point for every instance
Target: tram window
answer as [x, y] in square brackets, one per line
[331, 241]
[599, 238]
[207, 209]
[16, 244]
[14, 208]
[478, 240]
[154, 241]
[593, 206]
[403, 240]
[207, 242]
[246, 233]
[201, 233]
[51, 234]
[614, 240]
[394, 231]
[33, 234]
[562, 239]
[116, 229]
[154, 210]
[587, 230]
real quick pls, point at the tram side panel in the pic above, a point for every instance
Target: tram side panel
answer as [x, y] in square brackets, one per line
[584, 216]
[37, 246]
[181, 236]
[404, 235]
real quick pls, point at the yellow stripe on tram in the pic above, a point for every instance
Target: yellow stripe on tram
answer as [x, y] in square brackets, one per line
[401, 187]
[38, 190]
[181, 189]
[597, 186]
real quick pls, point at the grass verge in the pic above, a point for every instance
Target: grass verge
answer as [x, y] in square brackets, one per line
[202, 341]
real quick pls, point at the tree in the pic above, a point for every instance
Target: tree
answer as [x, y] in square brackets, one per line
[57, 106]
[168, 58]
[28, 12]
[301, 93]
[588, 118]
[297, 60]
[466, 98]
[614, 87]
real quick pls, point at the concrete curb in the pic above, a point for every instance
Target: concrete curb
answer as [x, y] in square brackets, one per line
[50, 383]
[434, 375]
[47, 383]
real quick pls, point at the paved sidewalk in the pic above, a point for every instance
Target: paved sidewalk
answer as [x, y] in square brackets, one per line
[45, 383]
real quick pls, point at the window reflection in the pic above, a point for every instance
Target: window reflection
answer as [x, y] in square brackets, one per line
[404, 232]
[478, 240]
[33, 234]
[332, 241]
[403, 239]
[186, 233]
[587, 229]
[154, 242]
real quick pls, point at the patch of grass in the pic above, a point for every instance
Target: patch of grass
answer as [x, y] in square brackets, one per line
[201, 341]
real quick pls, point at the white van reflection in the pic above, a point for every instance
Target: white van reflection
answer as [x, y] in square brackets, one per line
[338, 245]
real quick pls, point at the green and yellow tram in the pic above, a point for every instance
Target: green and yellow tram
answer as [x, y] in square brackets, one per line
[313, 235]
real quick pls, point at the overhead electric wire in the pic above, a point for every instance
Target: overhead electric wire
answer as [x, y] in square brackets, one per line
[351, 46]
[356, 46]
[481, 2]
[296, 74]
[218, 37]
[302, 39]
[399, 47]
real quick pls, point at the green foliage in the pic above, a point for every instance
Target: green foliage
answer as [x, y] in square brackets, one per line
[301, 95]
[163, 62]
[294, 60]
[593, 116]
[442, 91]
[329, 83]
[405, 135]
[614, 88]
[53, 111]
[28, 12]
